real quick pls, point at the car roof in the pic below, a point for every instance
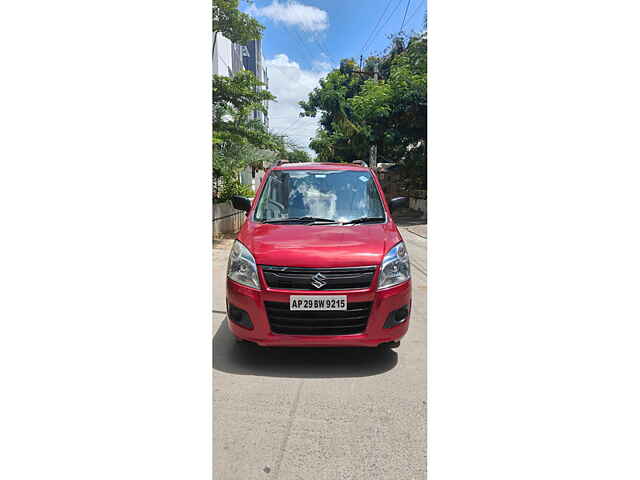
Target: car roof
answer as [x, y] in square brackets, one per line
[320, 166]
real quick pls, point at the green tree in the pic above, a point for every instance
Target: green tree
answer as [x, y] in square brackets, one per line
[238, 140]
[356, 111]
[324, 146]
[234, 24]
[234, 98]
[230, 159]
[408, 119]
[297, 156]
[339, 138]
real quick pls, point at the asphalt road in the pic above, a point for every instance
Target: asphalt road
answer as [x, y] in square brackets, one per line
[321, 414]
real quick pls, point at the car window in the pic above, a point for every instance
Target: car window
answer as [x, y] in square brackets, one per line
[341, 195]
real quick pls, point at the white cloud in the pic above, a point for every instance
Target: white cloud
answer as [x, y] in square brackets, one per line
[307, 18]
[321, 66]
[291, 84]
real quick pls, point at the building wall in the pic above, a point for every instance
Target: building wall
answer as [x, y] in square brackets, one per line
[236, 60]
[255, 63]
[250, 61]
[266, 104]
[227, 56]
[222, 56]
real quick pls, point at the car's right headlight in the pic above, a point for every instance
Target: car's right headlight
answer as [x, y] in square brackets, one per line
[395, 267]
[242, 266]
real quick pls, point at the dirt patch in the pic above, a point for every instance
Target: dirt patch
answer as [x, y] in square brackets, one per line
[223, 241]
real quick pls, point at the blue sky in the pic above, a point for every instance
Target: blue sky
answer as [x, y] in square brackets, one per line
[305, 39]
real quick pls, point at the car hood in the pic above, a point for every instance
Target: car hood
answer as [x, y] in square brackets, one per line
[318, 245]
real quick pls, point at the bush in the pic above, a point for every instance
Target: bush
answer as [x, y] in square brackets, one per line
[231, 188]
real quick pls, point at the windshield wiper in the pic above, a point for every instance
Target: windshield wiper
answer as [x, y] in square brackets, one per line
[300, 219]
[322, 221]
[364, 220]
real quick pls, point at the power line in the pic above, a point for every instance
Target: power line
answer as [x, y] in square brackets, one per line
[377, 32]
[303, 45]
[295, 128]
[320, 47]
[374, 33]
[421, 18]
[296, 132]
[286, 130]
[292, 124]
[286, 28]
[385, 23]
[292, 132]
[405, 14]
[374, 28]
[324, 48]
[279, 117]
[415, 22]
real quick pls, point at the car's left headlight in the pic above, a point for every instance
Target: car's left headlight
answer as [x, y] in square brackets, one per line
[242, 266]
[395, 268]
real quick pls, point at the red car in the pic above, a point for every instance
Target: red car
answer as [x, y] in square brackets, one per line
[319, 261]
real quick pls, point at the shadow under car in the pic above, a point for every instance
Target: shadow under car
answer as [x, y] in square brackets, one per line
[246, 358]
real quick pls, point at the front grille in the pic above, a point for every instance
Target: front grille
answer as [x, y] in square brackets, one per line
[333, 322]
[296, 278]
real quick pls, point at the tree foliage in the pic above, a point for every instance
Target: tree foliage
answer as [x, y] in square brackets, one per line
[234, 24]
[297, 156]
[240, 141]
[234, 99]
[339, 138]
[355, 111]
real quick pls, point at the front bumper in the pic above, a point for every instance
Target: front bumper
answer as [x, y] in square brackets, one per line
[383, 303]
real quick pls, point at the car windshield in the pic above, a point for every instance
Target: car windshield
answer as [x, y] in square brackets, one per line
[339, 196]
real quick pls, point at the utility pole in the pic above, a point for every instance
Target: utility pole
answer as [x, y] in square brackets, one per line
[373, 154]
[373, 151]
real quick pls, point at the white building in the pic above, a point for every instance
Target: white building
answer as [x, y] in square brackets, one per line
[227, 56]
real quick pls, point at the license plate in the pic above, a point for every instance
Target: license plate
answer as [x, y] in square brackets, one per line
[318, 302]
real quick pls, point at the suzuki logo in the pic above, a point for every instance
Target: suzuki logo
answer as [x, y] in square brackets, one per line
[318, 280]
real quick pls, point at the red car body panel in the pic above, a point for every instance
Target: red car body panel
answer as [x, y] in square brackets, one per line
[324, 246]
[319, 246]
[384, 302]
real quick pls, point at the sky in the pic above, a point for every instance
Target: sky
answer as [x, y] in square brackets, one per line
[304, 40]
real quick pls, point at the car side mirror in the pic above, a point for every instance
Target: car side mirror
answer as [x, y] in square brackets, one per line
[241, 203]
[398, 202]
